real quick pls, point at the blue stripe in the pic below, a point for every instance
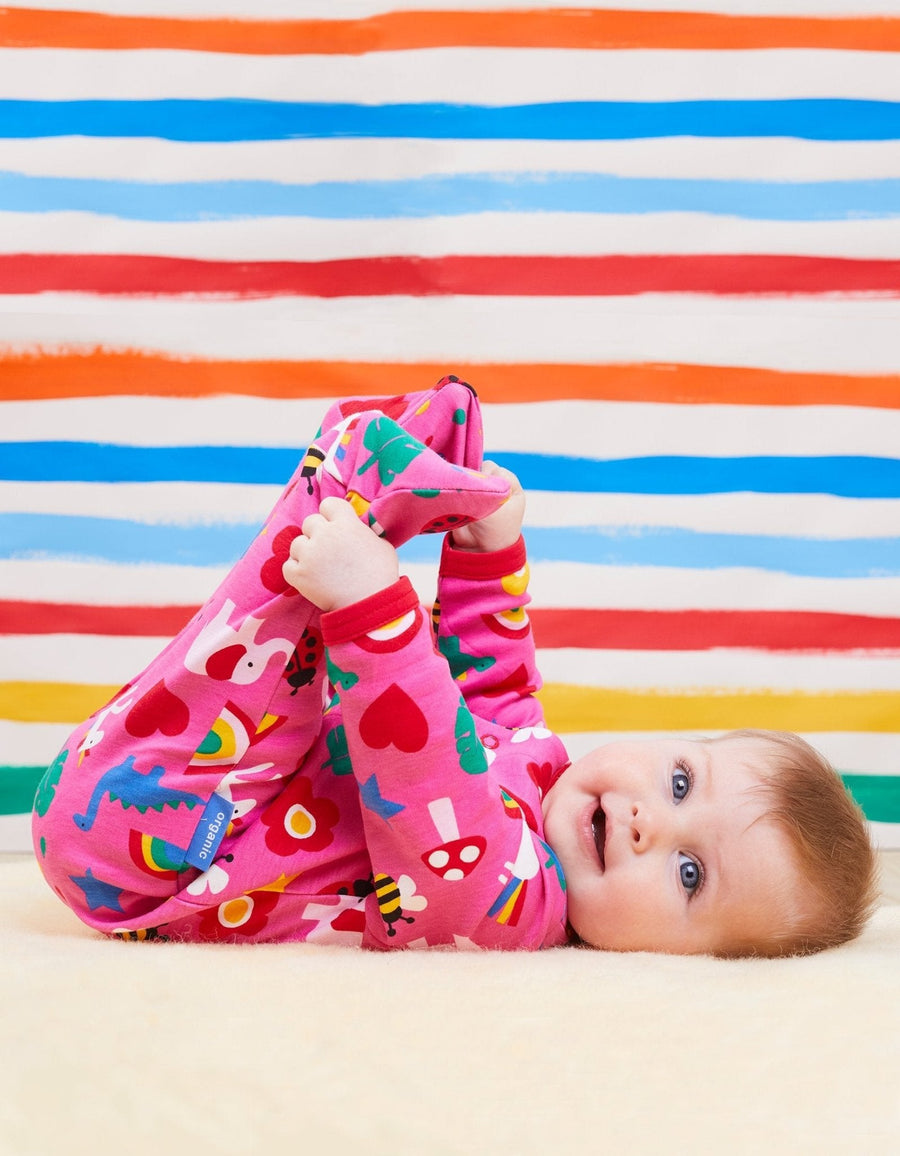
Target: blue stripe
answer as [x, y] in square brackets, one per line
[235, 119]
[97, 462]
[849, 477]
[57, 536]
[689, 549]
[452, 196]
[46, 536]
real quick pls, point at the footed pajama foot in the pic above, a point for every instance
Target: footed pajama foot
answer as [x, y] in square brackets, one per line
[408, 465]
[445, 418]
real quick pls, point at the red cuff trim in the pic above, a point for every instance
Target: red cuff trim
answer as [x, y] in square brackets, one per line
[369, 613]
[471, 564]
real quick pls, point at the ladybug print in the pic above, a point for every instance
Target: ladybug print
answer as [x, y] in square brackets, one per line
[447, 522]
[301, 669]
[451, 378]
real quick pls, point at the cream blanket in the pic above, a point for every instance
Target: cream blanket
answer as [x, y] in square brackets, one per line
[302, 1049]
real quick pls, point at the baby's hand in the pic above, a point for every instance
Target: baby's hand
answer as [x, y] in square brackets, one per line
[503, 527]
[337, 560]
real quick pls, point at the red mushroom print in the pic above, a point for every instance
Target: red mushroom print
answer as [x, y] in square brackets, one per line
[455, 858]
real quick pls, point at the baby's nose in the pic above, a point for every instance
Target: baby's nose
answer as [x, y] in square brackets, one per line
[640, 831]
[645, 827]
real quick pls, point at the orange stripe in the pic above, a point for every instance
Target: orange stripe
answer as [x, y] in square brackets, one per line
[582, 28]
[101, 373]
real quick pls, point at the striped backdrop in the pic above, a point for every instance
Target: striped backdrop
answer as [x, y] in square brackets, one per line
[663, 244]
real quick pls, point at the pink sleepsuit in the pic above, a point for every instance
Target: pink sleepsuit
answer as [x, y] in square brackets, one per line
[367, 776]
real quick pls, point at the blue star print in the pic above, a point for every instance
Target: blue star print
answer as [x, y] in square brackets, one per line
[373, 800]
[97, 893]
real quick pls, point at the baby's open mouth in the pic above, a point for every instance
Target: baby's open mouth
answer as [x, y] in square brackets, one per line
[598, 830]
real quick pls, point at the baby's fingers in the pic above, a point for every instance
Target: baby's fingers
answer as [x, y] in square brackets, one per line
[311, 523]
[336, 510]
[330, 510]
[492, 470]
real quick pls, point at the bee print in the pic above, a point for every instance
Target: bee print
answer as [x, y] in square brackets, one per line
[312, 462]
[143, 935]
[388, 894]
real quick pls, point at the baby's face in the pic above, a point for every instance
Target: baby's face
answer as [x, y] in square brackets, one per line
[665, 847]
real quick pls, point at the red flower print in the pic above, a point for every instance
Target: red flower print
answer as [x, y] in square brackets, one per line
[298, 820]
[245, 915]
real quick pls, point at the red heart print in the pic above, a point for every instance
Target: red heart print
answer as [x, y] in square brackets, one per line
[270, 573]
[157, 710]
[392, 407]
[394, 719]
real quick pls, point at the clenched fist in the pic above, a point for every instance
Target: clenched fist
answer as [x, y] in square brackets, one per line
[337, 560]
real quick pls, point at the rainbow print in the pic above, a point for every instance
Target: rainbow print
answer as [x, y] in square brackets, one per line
[156, 856]
[662, 242]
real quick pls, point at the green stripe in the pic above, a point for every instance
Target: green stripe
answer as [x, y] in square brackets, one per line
[878, 795]
[17, 788]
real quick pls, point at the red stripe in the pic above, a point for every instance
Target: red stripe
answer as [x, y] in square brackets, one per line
[582, 629]
[707, 629]
[718, 273]
[77, 618]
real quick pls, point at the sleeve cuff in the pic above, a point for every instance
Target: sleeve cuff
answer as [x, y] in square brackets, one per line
[475, 565]
[369, 613]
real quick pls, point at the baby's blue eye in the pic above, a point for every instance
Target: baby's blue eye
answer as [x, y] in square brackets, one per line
[690, 873]
[681, 784]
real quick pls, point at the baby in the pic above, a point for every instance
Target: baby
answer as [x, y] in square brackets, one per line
[311, 759]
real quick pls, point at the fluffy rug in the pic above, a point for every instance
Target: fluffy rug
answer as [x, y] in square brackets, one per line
[137, 1047]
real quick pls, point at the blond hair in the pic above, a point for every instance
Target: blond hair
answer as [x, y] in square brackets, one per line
[827, 832]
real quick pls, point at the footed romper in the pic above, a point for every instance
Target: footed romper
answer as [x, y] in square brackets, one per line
[363, 776]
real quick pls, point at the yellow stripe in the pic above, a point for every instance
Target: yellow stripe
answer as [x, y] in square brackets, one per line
[571, 708]
[52, 702]
[581, 708]
[509, 905]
